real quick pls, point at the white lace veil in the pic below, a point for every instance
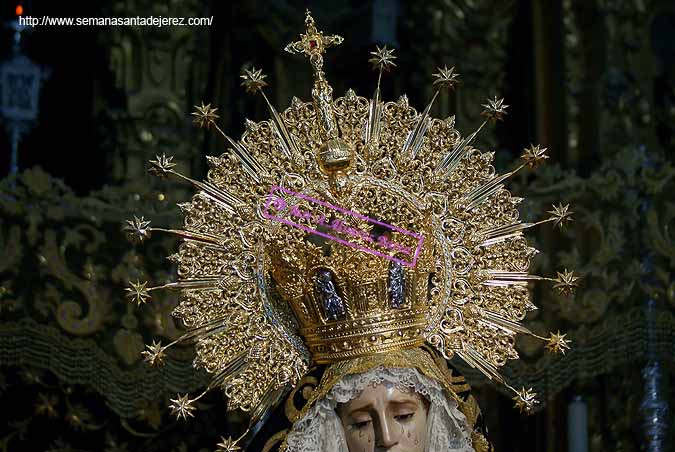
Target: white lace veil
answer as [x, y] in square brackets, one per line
[320, 430]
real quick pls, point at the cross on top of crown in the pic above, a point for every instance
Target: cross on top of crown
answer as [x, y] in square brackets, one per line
[313, 43]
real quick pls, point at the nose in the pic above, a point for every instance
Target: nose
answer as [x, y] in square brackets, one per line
[386, 436]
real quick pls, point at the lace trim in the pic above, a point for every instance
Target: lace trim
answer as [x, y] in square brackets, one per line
[320, 430]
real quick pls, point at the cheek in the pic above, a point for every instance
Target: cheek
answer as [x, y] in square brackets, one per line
[361, 440]
[414, 433]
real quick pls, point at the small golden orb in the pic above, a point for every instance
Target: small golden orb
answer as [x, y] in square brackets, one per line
[335, 155]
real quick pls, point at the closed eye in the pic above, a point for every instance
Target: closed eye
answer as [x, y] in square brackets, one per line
[361, 424]
[404, 417]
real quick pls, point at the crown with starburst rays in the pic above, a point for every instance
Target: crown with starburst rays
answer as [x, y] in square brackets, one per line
[264, 296]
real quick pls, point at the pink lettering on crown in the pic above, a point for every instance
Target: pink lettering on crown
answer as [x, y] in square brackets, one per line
[320, 219]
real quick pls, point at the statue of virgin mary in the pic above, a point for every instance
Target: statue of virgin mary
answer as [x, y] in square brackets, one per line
[339, 254]
[403, 401]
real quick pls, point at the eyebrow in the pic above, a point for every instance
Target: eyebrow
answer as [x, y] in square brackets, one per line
[363, 408]
[397, 403]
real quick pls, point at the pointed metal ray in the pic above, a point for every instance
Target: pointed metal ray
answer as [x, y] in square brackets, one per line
[416, 137]
[228, 201]
[373, 124]
[233, 368]
[450, 161]
[483, 192]
[140, 290]
[505, 278]
[383, 60]
[504, 323]
[191, 283]
[501, 233]
[248, 162]
[288, 144]
[208, 239]
[479, 194]
[477, 361]
[200, 331]
[269, 399]
[207, 329]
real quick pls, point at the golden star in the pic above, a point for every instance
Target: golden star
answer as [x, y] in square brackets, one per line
[137, 229]
[525, 400]
[227, 445]
[154, 355]
[560, 215]
[495, 109]
[138, 292]
[182, 407]
[47, 405]
[205, 115]
[557, 343]
[383, 58]
[534, 156]
[446, 78]
[253, 80]
[162, 165]
[566, 283]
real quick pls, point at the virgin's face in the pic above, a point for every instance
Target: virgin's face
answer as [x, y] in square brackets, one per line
[384, 418]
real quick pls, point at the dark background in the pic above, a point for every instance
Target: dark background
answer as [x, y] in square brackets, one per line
[592, 80]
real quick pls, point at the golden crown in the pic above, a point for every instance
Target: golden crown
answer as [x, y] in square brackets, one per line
[347, 227]
[350, 303]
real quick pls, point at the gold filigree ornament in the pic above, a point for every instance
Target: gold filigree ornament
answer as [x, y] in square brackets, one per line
[343, 228]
